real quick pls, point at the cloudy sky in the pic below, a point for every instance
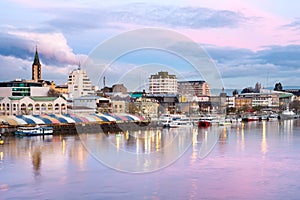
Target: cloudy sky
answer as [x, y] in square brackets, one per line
[248, 40]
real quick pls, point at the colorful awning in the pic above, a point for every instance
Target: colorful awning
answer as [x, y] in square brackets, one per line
[35, 119]
[27, 120]
[68, 118]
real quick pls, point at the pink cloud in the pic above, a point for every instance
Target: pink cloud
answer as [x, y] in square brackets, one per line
[262, 28]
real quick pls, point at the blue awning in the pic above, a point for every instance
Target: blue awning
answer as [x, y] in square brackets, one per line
[60, 119]
[46, 120]
[76, 119]
[27, 120]
[101, 117]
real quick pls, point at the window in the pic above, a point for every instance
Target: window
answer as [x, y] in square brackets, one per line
[23, 106]
[37, 106]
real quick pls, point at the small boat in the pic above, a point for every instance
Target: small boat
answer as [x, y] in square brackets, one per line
[36, 130]
[181, 123]
[288, 114]
[251, 118]
[165, 122]
[225, 122]
[203, 123]
[273, 117]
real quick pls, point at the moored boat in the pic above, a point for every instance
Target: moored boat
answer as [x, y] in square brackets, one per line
[181, 123]
[251, 118]
[203, 123]
[288, 114]
[36, 130]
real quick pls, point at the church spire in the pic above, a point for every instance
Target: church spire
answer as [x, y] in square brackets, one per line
[36, 67]
[36, 57]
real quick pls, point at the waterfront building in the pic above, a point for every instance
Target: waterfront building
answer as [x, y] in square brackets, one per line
[84, 104]
[266, 100]
[147, 107]
[118, 106]
[189, 89]
[20, 105]
[230, 101]
[23, 88]
[103, 105]
[243, 102]
[88, 101]
[79, 84]
[163, 83]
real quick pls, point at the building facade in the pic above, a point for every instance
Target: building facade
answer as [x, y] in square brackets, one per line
[79, 84]
[163, 83]
[118, 106]
[119, 88]
[193, 88]
[32, 105]
[22, 88]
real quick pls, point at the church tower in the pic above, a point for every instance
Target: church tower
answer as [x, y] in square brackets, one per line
[36, 68]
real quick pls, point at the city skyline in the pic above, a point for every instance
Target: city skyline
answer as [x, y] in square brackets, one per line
[250, 41]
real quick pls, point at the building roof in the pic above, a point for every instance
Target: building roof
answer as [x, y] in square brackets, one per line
[43, 98]
[90, 97]
[62, 86]
[15, 98]
[162, 75]
[191, 82]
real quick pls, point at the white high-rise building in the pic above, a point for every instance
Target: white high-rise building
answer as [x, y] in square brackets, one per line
[163, 83]
[79, 84]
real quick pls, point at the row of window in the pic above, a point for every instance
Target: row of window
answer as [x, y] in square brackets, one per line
[37, 106]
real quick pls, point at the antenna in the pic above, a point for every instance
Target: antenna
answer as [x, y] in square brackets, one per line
[79, 65]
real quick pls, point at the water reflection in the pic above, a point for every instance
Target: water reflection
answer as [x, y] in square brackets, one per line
[264, 145]
[139, 151]
[36, 161]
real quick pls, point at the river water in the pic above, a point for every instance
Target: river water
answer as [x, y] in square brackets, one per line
[255, 160]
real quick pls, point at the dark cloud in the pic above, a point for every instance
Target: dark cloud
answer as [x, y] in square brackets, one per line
[12, 45]
[273, 63]
[287, 57]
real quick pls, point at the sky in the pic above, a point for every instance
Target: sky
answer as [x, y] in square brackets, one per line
[249, 41]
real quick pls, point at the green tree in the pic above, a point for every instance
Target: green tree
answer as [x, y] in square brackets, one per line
[278, 87]
[235, 92]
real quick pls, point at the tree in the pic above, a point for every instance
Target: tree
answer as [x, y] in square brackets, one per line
[247, 90]
[53, 93]
[235, 92]
[278, 87]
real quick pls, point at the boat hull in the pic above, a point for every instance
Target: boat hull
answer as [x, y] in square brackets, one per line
[204, 124]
